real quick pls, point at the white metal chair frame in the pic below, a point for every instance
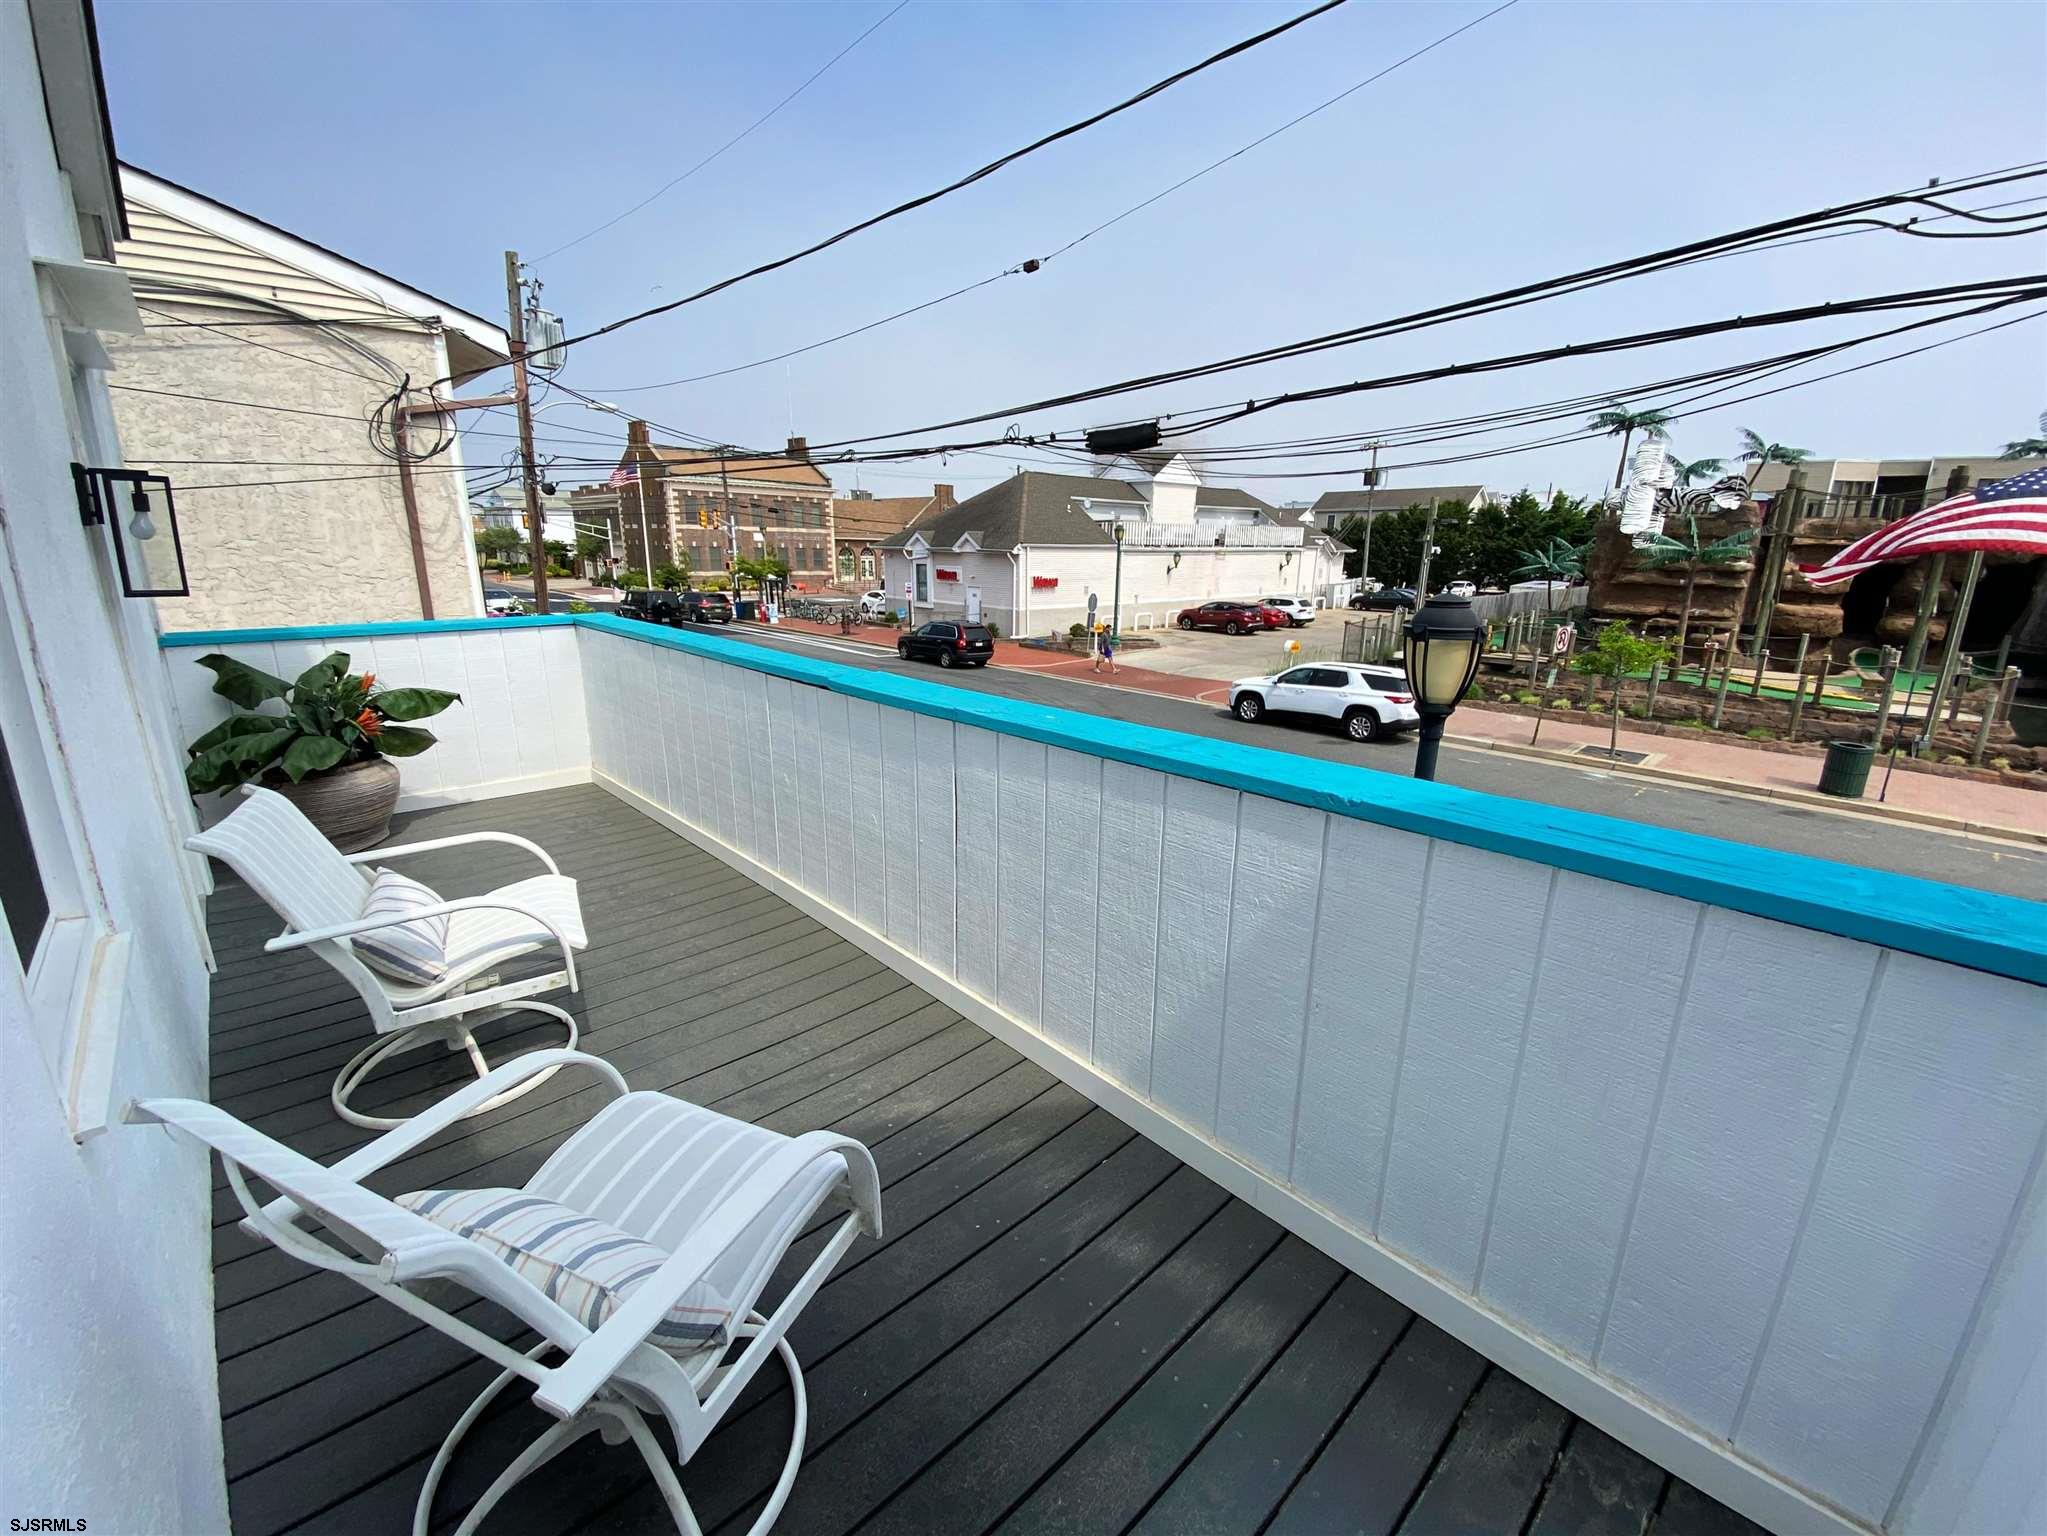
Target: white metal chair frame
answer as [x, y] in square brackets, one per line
[609, 1379]
[409, 1018]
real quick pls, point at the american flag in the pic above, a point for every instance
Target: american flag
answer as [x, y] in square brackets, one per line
[625, 474]
[2001, 516]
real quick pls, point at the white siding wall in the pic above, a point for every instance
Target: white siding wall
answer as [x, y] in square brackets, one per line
[520, 725]
[1766, 1180]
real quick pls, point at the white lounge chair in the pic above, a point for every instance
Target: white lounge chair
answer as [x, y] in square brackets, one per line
[320, 893]
[721, 1201]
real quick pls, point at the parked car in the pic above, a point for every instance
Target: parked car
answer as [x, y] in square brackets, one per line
[1232, 618]
[651, 606]
[873, 604]
[1298, 610]
[706, 607]
[499, 603]
[1460, 589]
[949, 644]
[1386, 597]
[1368, 702]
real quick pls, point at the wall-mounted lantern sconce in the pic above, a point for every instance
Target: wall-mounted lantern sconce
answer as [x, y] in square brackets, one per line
[138, 511]
[1175, 565]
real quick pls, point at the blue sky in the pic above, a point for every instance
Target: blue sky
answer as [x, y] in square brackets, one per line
[425, 140]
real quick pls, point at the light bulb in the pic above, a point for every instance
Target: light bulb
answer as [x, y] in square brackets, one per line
[141, 525]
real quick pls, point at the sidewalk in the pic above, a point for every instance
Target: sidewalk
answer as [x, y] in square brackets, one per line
[1957, 805]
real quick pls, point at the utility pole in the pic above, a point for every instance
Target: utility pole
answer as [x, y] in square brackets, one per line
[1421, 582]
[731, 520]
[401, 441]
[515, 333]
[1371, 506]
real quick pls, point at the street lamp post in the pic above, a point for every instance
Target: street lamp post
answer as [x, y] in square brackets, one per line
[1443, 642]
[1116, 592]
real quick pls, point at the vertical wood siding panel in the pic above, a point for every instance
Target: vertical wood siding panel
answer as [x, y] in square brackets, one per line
[1481, 928]
[1194, 944]
[400, 664]
[1357, 999]
[1272, 927]
[639, 726]
[836, 754]
[1073, 830]
[899, 825]
[660, 728]
[1981, 1468]
[1946, 1105]
[197, 708]
[937, 871]
[545, 690]
[1598, 1035]
[567, 714]
[487, 701]
[671, 691]
[810, 798]
[1020, 874]
[871, 858]
[1133, 853]
[782, 772]
[713, 714]
[1762, 1044]
[975, 774]
[756, 754]
[457, 747]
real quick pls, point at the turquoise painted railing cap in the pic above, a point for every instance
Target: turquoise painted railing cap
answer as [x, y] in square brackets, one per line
[172, 638]
[1985, 931]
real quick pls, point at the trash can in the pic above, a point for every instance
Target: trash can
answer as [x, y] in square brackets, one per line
[749, 609]
[1846, 770]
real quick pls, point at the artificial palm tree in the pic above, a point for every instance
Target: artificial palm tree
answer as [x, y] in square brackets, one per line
[1554, 562]
[2025, 448]
[1696, 469]
[1758, 452]
[1618, 421]
[1695, 555]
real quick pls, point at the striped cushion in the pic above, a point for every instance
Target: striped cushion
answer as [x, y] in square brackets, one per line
[415, 951]
[585, 1266]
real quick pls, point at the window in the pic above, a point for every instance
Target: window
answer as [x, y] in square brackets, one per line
[867, 567]
[845, 567]
[923, 588]
[1299, 677]
[1326, 677]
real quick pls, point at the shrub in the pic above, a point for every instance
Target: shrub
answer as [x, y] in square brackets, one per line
[1075, 630]
[1690, 723]
[1527, 698]
[994, 630]
[1760, 733]
[1955, 760]
[1560, 704]
[2001, 764]
[577, 605]
[1594, 707]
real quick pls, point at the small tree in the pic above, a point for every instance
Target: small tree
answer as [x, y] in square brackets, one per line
[1694, 555]
[590, 546]
[2025, 448]
[1554, 562]
[1757, 452]
[1615, 655]
[1618, 421]
[671, 577]
[497, 543]
[1687, 471]
[557, 552]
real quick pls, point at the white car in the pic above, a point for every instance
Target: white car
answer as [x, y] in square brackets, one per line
[873, 603]
[1297, 610]
[1369, 702]
[1460, 589]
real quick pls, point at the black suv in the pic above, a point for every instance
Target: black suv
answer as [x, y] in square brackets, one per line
[948, 644]
[707, 607]
[651, 607]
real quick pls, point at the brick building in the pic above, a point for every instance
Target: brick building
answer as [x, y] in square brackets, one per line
[862, 521]
[677, 501]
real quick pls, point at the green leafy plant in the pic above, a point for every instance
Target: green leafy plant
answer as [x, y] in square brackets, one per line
[994, 630]
[1618, 421]
[1558, 560]
[1755, 451]
[1528, 698]
[2025, 448]
[1075, 630]
[577, 605]
[1760, 733]
[497, 544]
[673, 578]
[1616, 653]
[330, 718]
[1694, 554]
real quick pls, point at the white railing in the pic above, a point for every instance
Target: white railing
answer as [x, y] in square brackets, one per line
[1732, 1152]
[1204, 536]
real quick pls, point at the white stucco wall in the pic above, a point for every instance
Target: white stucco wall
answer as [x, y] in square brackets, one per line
[107, 1388]
[329, 550]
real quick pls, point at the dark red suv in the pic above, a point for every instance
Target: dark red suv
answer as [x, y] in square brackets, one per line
[1233, 618]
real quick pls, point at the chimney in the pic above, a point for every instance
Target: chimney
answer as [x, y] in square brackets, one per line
[799, 448]
[942, 494]
[636, 435]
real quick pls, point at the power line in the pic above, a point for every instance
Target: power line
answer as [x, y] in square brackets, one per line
[1024, 267]
[250, 341]
[961, 183]
[254, 405]
[729, 143]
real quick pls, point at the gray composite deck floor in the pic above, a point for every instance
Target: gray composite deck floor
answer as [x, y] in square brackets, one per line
[1063, 1329]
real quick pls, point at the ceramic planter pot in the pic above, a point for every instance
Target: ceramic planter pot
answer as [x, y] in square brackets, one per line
[352, 805]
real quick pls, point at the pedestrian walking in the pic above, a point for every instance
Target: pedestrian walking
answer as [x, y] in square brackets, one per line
[1105, 649]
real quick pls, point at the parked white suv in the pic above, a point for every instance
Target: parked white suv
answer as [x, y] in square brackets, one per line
[1297, 610]
[1369, 702]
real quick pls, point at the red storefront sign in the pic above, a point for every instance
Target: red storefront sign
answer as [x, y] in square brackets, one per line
[945, 575]
[1044, 583]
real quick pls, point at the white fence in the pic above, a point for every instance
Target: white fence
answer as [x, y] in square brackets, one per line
[1758, 1199]
[520, 725]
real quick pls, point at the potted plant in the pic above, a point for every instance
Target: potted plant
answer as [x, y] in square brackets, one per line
[326, 750]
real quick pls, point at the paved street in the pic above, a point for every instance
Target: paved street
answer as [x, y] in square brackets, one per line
[1854, 839]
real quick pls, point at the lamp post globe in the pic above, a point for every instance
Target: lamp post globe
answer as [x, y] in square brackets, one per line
[1444, 639]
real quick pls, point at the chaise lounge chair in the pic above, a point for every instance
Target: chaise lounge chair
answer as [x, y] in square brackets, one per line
[638, 1252]
[323, 894]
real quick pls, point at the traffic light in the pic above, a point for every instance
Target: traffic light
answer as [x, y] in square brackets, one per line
[703, 516]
